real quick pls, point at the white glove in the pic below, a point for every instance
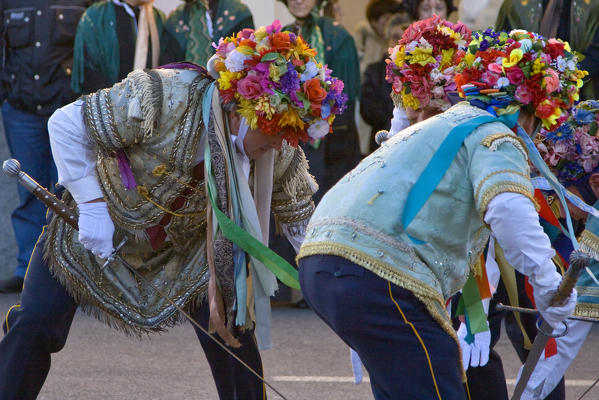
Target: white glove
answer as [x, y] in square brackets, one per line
[474, 354]
[545, 288]
[95, 228]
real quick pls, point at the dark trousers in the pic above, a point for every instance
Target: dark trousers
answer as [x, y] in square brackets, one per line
[406, 352]
[39, 326]
[28, 142]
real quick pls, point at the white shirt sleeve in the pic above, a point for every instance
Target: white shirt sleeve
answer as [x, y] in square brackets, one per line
[296, 239]
[515, 225]
[73, 153]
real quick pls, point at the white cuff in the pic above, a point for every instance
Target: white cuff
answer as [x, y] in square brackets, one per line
[85, 189]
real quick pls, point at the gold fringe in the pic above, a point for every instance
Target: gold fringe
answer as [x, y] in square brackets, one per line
[497, 139]
[589, 243]
[587, 310]
[502, 187]
[143, 191]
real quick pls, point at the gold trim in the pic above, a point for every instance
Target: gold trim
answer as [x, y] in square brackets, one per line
[492, 174]
[503, 187]
[587, 310]
[590, 240]
[497, 139]
[8, 312]
[432, 300]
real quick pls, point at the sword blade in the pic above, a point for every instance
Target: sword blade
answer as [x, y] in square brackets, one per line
[531, 361]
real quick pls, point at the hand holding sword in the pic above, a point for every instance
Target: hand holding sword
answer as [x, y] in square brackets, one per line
[578, 261]
[12, 168]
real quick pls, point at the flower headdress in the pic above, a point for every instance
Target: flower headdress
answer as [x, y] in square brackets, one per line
[421, 66]
[277, 84]
[504, 72]
[572, 150]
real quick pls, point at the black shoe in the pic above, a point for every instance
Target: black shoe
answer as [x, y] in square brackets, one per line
[11, 285]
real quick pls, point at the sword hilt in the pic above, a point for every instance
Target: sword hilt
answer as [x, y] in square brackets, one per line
[12, 168]
[578, 262]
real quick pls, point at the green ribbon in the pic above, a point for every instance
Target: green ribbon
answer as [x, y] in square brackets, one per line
[271, 260]
[474, 310]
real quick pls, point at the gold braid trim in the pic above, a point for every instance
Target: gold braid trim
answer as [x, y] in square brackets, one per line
[502, 187]
[492, 174]
[497, 139]
[587, 310]
[589, 243]
[431, 299]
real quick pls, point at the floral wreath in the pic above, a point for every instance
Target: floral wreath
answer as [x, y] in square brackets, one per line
[421, 66]
[572, 150]
[504, 72]
[277, 83]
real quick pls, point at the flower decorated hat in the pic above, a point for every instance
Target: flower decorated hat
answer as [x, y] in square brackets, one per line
[504, 72]
[572, 150]
[277, 83]
[421, 67]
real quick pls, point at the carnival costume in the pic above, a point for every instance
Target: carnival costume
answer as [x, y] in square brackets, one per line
[572, 151]
[159, 151]
[416, 223]
[193, 27]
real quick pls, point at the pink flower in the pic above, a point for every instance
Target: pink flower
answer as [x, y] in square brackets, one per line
[496, 68]
[523, 95]
[551, 80]
[490, 78]
[515, 75]
[250, 87]
[246, 33]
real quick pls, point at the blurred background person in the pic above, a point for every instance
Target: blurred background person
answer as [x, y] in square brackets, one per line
[331, 158]
[376, 105]
[422, 9]
[114, 38]
[194, 25]
[479, 14]
[333, 9]
[371, 43]
[37, 57]
[576, 22]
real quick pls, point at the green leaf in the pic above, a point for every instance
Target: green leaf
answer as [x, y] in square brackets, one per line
[273, 55]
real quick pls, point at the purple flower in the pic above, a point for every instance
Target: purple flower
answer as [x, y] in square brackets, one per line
[290, 80]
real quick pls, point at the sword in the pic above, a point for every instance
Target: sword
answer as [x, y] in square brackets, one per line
[12, 168]
[578, 261]
[503, 307]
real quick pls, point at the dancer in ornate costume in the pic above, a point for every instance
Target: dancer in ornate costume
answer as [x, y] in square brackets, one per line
[572, 151]
[146, 154]
[378, 265]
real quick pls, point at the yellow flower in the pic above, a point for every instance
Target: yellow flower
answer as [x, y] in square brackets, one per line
[400, 57]
[469, 59]
[291, 118]
[301, 50]
[515, 56]
[275, 72]
[409, 100]
[260, 33]
[447, 57]
[567, 47]
[247, 50]
[245, 108]
[264, 105]
[537, 66]
[224, 81]
[579, 83]
[421, 56]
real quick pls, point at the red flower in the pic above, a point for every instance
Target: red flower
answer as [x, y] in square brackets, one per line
[270, 126]
[281, 41]
[314, 92]
[554, 48]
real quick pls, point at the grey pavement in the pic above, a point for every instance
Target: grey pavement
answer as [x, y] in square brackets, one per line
[307, 362]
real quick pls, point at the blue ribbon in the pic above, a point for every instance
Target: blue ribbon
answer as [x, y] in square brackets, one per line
[538, 162]
[439, 164]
